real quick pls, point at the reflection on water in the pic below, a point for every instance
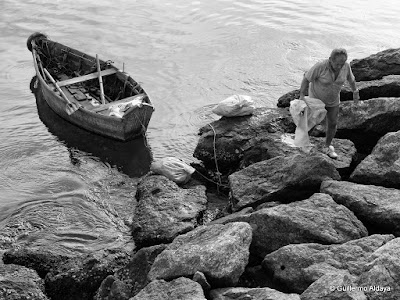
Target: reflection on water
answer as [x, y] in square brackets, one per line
[132, 158]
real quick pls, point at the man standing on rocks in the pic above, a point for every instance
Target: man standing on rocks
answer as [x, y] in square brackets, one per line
[324, 81]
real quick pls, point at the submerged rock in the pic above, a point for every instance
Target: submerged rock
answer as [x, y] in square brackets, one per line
[318, 219]
[376, 206]
[165, 210]
[382, 166]
[220, 252]
[298, 266]
[283, 179]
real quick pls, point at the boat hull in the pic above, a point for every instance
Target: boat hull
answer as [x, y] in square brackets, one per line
[133, 125]
[134, 122]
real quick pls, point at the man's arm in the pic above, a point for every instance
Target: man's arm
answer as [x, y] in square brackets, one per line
[304, 87]
[352, 82]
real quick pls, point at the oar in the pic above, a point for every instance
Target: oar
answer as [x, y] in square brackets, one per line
[70, 107]
[103, 101]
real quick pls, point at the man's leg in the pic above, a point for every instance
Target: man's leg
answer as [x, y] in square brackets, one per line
[331, 123]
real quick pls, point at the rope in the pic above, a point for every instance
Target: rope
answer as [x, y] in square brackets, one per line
[212, 181]
[215, 158]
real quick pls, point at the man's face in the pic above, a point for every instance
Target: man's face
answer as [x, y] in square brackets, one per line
[338, 62]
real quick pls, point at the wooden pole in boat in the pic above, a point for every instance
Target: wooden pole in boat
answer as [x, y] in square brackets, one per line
[103, 101]
[71, 107]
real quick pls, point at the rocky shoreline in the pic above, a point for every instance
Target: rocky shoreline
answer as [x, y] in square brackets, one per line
[295, 225]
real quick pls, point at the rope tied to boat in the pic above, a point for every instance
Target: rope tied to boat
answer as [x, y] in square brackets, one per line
[219, 183]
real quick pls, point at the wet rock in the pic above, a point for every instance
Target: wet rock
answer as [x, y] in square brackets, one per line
[274, 144]
[131, 278]
[335, 286]
[382, 166]
[375, 206]
[377, 65]
[220, 252]
[318, 219]
[388, 86]
[240, 293]
[180, 288]
[364, 123]
[283, 179]
[80, 278]
[233, 135]
[382, 275]
[298, 266]
[165, 210]
[41, 260]
[20, 283]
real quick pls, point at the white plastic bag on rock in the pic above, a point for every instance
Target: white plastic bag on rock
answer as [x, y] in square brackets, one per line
[172, 168]
[235, 106]
[306, 114]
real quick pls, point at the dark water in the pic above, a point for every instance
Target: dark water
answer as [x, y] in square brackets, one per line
[63, 187]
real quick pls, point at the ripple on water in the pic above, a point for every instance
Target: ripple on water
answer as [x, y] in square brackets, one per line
[64, 225]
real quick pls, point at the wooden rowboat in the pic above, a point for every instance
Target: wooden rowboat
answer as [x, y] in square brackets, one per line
[88, 92]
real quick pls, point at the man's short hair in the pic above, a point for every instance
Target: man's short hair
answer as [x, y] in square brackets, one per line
[338, 51]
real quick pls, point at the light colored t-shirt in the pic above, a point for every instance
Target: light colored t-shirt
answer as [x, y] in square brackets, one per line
[323, 85]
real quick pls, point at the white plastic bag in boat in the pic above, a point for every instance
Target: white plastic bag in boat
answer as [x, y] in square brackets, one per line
[234, 106]
[306, 114]
[173, 168]
[119, 109]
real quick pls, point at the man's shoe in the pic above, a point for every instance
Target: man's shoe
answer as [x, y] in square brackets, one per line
[330, 151]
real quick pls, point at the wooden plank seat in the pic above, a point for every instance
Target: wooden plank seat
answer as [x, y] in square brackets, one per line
[102, 107]
[86, 77]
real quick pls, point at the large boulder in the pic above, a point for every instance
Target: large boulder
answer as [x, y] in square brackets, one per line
[276, 144]
[283, 179]
[388, 86]
[382, 166]
[334, 286]
[377, 65]
[131, 278]
[180, 288]
[165, 210]
[220, 252]
[298, 266]
[225, 140]
[318, 219]
[377, 207]
[240, 293]
[382, 274]
[20, 283]
[80, 278]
